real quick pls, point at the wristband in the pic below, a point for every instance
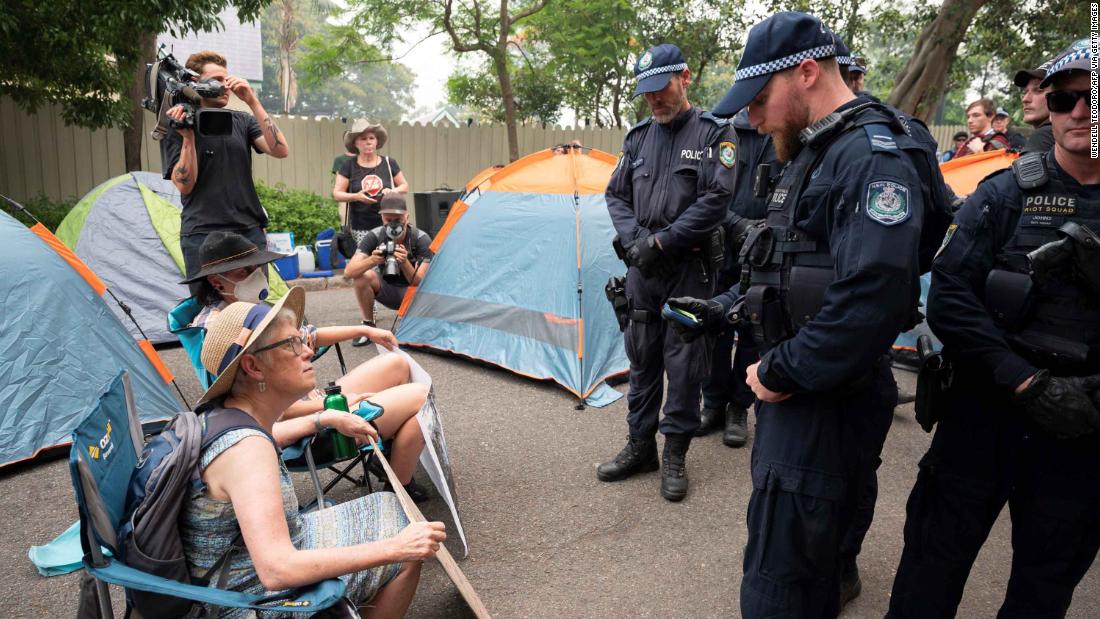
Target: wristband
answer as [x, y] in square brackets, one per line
[317, 422]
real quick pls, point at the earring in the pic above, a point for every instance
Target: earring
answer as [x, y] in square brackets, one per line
[263, 386]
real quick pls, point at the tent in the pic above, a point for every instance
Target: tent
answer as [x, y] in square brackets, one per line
[61, 345]
[519, 274]
[127, 230]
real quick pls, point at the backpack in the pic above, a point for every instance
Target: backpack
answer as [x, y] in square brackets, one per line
[166, 474]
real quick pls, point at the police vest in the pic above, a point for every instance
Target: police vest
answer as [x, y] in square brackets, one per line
[789, 270]
[1050, 316]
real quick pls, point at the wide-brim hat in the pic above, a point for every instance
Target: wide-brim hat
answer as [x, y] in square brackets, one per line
[223, 251]
[776, 44]
[361, 126]
[234, 331]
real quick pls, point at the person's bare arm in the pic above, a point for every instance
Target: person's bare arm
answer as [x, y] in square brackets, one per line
[340, 191]
[330, 335]
[360, 263]
[272, 141]
[186, 171]
[400, 184]
[247, 474]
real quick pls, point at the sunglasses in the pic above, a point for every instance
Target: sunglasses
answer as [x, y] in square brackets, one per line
[1063, 101]
[297, 344]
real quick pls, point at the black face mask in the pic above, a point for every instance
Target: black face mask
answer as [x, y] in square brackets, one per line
[394, 230]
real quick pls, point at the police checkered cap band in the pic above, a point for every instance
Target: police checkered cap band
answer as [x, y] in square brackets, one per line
[842, 60]
[672, 68]
[774, 66]
[1081, 54]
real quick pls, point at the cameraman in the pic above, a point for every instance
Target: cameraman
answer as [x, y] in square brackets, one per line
[214, 173]
[411, 255]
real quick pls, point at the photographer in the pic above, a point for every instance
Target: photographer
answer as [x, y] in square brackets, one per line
[214, 173]
[390, 258]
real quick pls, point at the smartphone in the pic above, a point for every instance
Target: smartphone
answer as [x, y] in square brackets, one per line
[683, 317]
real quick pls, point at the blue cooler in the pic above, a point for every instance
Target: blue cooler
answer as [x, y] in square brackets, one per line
[327, 256]
[283, 243]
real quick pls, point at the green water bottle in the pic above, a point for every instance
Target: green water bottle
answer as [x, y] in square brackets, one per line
[343, 447]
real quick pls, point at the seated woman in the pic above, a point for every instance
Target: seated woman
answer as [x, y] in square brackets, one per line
[231, 273]
[263, 365]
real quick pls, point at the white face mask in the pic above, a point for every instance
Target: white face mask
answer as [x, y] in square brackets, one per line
[252, 289]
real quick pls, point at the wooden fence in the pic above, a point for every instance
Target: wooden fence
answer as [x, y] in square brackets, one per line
[40, 155]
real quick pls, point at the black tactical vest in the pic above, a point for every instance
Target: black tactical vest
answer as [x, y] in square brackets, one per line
[788, 270]
[1051, 317]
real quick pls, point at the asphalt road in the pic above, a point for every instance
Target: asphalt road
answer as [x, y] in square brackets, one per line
[546, 538]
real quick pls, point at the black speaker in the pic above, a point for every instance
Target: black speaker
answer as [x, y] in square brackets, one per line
[432, 208]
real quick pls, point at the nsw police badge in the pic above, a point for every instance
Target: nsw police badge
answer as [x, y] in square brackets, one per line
[727, 154]
[645, 61]
[887, 202]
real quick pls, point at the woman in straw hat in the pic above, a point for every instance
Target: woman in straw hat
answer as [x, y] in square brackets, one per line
[361, 182]
[263, 365]
[231, 272]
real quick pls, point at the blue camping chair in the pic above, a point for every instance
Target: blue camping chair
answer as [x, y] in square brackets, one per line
[298, 457]
[105, 452]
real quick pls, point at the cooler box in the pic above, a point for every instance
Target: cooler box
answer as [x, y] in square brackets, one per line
[283, 243]
[326, 252]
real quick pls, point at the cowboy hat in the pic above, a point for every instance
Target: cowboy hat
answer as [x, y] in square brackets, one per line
[223, 251]
[234, 331]
[361, 126]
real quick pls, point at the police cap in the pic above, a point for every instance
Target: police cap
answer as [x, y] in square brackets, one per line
[656, 67]
[1078, 56]
[775, 44]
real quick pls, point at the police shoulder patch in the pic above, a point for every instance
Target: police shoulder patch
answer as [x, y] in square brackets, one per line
[727, 154]
[946, 239]
[887, 202]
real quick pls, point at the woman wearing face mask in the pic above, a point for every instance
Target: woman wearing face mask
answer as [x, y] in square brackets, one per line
[232, 270]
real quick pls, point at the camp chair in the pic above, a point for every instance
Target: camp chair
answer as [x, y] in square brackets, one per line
[105, 452]
[298, 457]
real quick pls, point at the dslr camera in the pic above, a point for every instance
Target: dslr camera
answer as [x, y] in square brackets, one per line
[391, 271]
[168, 84]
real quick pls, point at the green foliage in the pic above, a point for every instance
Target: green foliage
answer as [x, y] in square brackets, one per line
[536, 88]
[48, 212]
[302, 212]
[83, 55]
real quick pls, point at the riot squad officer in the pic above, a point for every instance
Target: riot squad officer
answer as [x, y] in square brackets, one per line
[833, 279]
[667, 198]
[1015, 299]
[725, 393]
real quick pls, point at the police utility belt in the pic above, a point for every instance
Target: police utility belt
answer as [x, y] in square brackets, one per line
[785, 271]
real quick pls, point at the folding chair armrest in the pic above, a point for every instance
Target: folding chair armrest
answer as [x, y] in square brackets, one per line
[300, 600]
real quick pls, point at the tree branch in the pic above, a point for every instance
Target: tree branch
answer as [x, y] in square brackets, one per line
[529, 11]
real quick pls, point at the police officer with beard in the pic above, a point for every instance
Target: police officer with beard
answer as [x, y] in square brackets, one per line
[833, 279]
[667, 198]
[1015, 299]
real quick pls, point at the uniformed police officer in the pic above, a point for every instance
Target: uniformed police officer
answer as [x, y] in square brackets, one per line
[833, 279]
[1015, 299]
[726, 396]
[667, 198]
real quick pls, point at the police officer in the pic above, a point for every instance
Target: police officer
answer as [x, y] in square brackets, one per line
[725, 393]
[667, 198]
[833, 279]
[1020, 321]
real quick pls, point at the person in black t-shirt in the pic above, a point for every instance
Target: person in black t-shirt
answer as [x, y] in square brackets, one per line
[214, 173]
[362, 181]
[412, 252]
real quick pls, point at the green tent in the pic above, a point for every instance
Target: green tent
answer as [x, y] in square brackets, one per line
[127, 230]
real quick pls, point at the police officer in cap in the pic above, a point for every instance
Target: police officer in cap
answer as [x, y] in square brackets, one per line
[667, 198]
[1015, 299]
[833, 279]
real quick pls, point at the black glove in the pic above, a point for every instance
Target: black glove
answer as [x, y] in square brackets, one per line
[1062, 406]
[646, 255]
[710, 314]
[739, 232]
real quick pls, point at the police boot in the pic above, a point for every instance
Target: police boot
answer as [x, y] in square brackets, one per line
[674, 481]
[709, 420]
[639, 456]
[737, 427]
[850, 585]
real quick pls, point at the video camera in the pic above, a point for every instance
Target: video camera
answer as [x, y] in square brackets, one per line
[391, 271]
[168, 84]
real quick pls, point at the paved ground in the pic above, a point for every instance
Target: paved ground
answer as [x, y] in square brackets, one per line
[547, 539]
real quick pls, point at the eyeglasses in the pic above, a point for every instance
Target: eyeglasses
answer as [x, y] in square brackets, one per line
[297, 344]
[1063, 101]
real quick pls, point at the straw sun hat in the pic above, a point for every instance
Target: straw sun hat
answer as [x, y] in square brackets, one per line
[234, 331]
[361, 126]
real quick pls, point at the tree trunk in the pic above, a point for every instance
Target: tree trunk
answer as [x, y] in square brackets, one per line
[920, 83]
[500, 61]
[131, 134]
